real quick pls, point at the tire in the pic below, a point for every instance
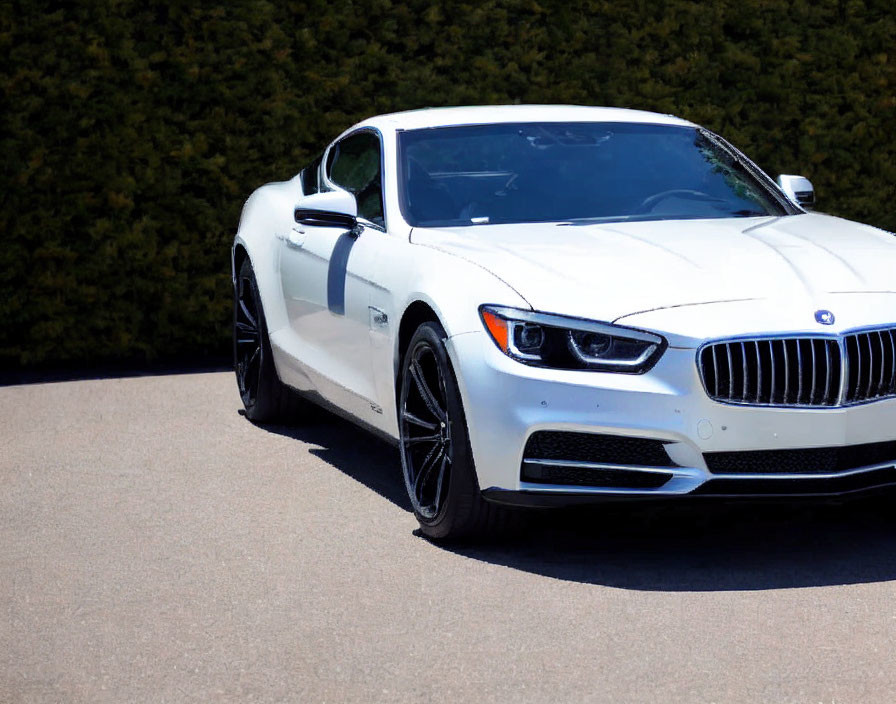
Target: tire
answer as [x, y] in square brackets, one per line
[436, 459]
[265, 398]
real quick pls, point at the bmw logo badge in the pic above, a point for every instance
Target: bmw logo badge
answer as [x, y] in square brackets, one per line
[825, 317]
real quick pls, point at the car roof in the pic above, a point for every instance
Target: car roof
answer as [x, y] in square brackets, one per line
[490, 114]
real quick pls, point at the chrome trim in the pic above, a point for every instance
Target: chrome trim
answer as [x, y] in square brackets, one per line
[829, 371]
[511, 344]
[577, 464]
[715, 366]
[877, 387]
[688, 479]
[758, 370]
[588, 359]
[786, 374]
[771, 356]
[730, 376]
[844, 372]
[830, 475]
[892, 350]
[814, 371]
[870, 366]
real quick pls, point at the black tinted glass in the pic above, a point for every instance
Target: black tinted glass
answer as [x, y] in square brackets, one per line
[354, 164]
[537, 172]
[311, 177]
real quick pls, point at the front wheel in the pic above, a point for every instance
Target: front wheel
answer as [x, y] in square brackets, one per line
[436, 459]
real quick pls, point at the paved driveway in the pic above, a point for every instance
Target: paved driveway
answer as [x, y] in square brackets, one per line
[155, 546]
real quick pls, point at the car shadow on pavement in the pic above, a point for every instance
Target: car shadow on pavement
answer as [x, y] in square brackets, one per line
[355, 452]
[704, 546]
[698, 545]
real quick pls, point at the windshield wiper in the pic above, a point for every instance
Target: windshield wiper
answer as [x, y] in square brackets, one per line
[597, 220]
[750, 214]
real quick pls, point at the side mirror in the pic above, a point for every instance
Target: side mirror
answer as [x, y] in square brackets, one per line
[328, 209]
[799, 189]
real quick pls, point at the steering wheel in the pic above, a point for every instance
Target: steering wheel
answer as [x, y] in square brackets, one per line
[648, 203]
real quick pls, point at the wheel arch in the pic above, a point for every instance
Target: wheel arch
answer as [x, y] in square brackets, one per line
[433, 295]
[238, 255]
[417, 313]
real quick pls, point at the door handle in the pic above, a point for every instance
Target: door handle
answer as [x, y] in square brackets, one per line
[296, 238]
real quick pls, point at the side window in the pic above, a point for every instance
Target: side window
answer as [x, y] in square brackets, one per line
[354, 164]
[311, 177]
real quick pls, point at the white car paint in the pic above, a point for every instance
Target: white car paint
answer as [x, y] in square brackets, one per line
[676, 262]
[688, 280]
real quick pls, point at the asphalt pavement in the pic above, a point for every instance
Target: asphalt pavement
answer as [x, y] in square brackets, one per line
[155, 546]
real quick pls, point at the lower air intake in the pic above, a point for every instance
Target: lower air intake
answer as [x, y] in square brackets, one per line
[815, 460]
[592, 476]
[592, 447]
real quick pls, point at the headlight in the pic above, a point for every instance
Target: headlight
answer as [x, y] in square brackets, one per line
[555, 341]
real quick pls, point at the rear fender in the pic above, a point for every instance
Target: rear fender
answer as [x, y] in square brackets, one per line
[268, 215]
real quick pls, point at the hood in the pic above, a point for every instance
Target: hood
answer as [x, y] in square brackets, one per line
[607, 271]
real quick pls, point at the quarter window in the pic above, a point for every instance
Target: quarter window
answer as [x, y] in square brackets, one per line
[311, 177]
[354, 164]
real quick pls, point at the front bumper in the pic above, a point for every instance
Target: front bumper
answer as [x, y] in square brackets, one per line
[506, 402]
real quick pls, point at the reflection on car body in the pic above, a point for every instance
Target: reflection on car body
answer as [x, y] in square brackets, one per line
[550, 304]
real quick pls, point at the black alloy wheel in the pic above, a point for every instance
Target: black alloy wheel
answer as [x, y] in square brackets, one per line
[436, 459]
[247, 352]
[264, 396]
[425, 431]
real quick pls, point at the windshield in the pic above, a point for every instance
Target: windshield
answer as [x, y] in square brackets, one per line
[575, 171]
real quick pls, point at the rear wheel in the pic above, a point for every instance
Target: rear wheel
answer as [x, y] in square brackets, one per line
[264, 396]
[436, 459]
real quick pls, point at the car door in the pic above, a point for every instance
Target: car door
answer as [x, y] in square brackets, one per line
[326, 275]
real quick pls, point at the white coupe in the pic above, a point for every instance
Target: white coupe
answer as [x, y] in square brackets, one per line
[550, 304]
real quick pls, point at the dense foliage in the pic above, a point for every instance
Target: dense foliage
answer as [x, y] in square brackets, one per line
[131, 132]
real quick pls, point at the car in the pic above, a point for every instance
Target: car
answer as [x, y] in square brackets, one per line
[548, 305]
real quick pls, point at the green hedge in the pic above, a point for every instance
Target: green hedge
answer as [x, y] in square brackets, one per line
[132, 132]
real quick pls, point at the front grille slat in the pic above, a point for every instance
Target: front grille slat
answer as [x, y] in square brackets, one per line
[730, 374]
[891, 356]
[884, 363]
[715, 368]
[827, 376]
[870, 363]
[814, 373]
[758, 373]
[892, 387]
[771, 353]
[806, 371]
[786, 372]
